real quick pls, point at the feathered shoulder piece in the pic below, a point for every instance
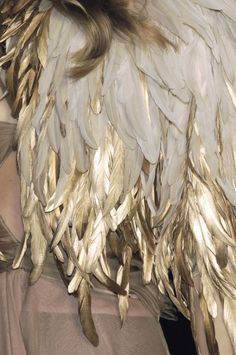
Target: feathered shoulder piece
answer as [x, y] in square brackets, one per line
[138, 154]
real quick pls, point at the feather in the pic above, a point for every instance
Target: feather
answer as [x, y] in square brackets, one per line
[116, 177]
[229, 315]
[75, 283]
[20, 252]
[85, 313]
[38, 249]
[96, 242]
[42, 46]
[123, 280]
[2, 257]
[31, 29]
[108, 282]
[209, 328]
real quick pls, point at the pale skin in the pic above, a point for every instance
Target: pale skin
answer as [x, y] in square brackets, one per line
[10, 210]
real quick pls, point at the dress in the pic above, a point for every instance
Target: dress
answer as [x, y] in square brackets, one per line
[43, 319]
[136, 154]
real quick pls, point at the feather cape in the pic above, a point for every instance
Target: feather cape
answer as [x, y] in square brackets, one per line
[142, 149]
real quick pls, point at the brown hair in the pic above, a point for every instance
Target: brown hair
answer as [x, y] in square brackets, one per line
[101, 20]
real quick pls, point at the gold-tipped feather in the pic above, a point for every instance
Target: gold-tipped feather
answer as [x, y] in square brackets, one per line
[85, 313]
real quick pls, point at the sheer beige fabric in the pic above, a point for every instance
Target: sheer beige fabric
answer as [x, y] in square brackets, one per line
[42, 319]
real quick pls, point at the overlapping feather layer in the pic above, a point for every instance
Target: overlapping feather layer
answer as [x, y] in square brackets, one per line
[138, 155]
